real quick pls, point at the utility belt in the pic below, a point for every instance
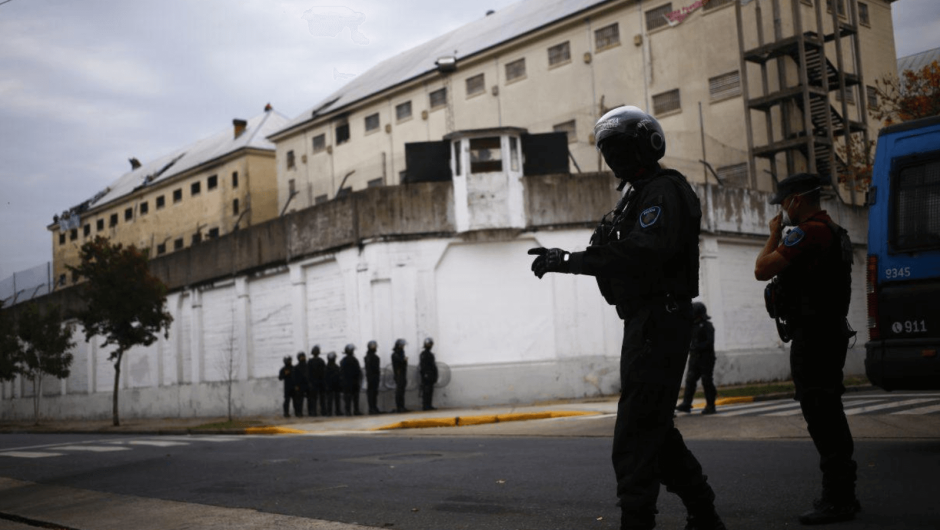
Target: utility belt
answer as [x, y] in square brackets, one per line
[671, 303]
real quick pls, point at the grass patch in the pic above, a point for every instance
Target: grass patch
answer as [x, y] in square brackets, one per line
[223, 425]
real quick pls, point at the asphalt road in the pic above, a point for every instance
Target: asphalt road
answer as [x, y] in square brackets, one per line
[438, 482]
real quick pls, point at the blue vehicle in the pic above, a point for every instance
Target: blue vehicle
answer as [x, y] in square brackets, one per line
[903, 273]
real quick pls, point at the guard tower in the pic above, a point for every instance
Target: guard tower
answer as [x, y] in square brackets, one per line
[804, 104]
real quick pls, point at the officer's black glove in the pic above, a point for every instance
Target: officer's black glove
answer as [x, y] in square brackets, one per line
[549, 260]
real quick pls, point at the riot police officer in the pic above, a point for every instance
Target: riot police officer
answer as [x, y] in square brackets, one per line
[286, 375]
[301, 384]
[644, 255]
[317, 381]
[352, 380]
[373, 377]
[400, 370]
[428, 369]
[701, 361]
[812, 267]
[334, 385]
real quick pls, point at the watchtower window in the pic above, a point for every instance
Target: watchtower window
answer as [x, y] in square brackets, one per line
[485, 155]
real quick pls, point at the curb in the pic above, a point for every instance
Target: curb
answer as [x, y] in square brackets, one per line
[271, 430]
[462, 421]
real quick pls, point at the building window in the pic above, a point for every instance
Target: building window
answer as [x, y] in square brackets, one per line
[656, 18]
[666, 102]
[291, 163]
[320, 199]
[197, 238]
[113, 221]
[195, 188]
[178, 244]
[86, 230]
[475, 85]
[74, 277]
[568, 128]
[841, 7]
[235, 207]
[291, 188]
[712, 4]
[319, 143]
[99, 224]
[212, 182]
[128, 214]
[438, 98]
[515, 70]
[161, 202]
[144, 208]
[863, 14]
[177, 195]
[342, 133]
[403, 111]
[457, 158]
[733, 176]
[849, 95]
[872, 94]
[376, 183]
[73, 234]
[514, 153]
[235, 179]
[559, 54]
[61, 238]
[725, 85]
[485, 155]
[213, 233]
[608, 36]
[372, 122]
[161, 249]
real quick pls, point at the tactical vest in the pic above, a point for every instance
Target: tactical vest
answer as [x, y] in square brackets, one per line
[678, 276]
[823, 289]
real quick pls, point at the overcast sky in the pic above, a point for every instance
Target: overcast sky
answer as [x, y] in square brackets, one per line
[85, 85]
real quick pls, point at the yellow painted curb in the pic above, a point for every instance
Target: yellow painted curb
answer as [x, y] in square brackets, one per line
[482, 419]
[728, 401]
[273, 430]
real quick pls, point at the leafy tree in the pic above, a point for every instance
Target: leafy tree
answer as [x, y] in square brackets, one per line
[126, 303]
[45, 344]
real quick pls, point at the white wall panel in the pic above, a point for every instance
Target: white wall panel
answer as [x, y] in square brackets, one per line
[220, 342]
[326, 307]
[271, 336]
[746, 324]
[141, 367]
[81, 360]
[184, 355]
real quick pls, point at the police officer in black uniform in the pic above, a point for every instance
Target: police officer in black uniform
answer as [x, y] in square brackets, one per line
[317, 371]
[334, 385]
[428, 369]
[373, 377]
[644, 255]
[352, 380]
[812, 272]
[286, 375]
[400, 370]
[701, 361]
[301, 384]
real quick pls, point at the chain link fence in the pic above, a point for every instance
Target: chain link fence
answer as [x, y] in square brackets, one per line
[27, 284]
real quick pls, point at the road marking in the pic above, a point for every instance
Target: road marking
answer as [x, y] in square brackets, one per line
[921, 410]
[27, 454]
[156, 443]
[767, 408]
[799, 410]
[893, 404]
[93, 448]
[206, 438]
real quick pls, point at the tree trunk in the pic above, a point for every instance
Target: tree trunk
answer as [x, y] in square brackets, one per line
[37, 395]
[117, 377]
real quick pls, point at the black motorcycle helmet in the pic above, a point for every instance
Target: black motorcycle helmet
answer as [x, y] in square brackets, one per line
[372, 346]
[631, 141]
[698, 311]
[428, 343]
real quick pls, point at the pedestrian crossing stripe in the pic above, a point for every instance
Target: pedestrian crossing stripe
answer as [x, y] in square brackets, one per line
[27, 454]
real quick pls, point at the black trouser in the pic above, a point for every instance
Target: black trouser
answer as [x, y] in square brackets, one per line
[427, 394]
[700, 366]
[372, 394]
[312, 396]
[287, 400]
[817, 356]
[298, 402]
[648, 449]
[400, 394]
[335, 398]
[351, 399]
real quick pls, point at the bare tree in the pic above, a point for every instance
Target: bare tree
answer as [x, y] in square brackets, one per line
[229, 363]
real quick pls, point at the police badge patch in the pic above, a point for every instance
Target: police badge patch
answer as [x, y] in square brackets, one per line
[795, 236]
[649, 216]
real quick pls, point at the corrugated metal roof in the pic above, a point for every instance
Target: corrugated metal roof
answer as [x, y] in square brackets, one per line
[918, 61]
[181, 160]
[502, 26]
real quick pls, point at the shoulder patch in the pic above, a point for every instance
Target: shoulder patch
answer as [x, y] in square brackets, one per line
[795, 236]
[650, 215]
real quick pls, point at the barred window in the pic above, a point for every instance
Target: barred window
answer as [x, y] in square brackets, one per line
[915, 220]
[438, 98]
[178, 243]
[485, 155]
[73, 234]
[569, 128]
[403, 111]
[515, 69]
[342, 132]
[863, 14]
[212, 182]
[849, 95]
[375, 183]
[560, 53]
[872, 94]
[161, 249]
[666, 102]
[234, 206]
[86, 231]
[213, 233]
[320, 199]
[99, 225]
[319, 143]
[161, 202]
[725, 85]
[733, 176]
[607, 36]
[62, 239]
[196, 187]
[291, 163]
[144, 208]
[841, 7]
[113, 220]
[656, 18]
[475, 85]
[712, 4]
[128, 214]
[372, 122]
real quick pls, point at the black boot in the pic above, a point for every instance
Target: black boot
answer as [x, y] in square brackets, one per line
[684, 407]
[708, 521]
[826, 511]
[709, 409]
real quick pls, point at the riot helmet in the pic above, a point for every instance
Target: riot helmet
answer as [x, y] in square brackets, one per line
[399, 344]
[349, 349]
[288, 360]
[301, 356]
[698, 311]
[631, 141]
[372, 346]
[428, 343]
[315, 351]
[331, 357]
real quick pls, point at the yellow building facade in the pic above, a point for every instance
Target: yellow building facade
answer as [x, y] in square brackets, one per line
[553, 65]
[201, 191]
